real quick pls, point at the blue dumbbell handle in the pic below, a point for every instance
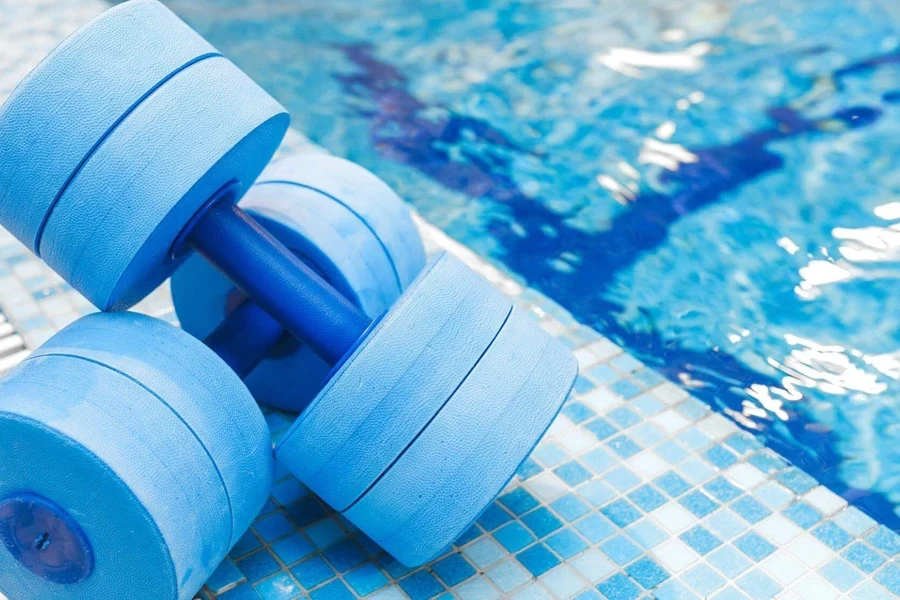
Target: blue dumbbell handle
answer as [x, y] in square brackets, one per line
[277, 281]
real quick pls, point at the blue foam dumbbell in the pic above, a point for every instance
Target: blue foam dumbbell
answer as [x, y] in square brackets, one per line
[343, 222]
[133, 460]
[428, 409]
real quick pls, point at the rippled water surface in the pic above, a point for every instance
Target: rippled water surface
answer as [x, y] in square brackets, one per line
[715, 185]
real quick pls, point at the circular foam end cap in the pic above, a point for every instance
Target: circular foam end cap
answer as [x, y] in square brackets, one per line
[76, 96]
[396, 381]
[111, 232]
[101, 448]
[330, 236]
[195, 385]
[472, 448]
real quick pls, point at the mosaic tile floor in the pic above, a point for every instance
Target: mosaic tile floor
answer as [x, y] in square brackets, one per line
[638, 490]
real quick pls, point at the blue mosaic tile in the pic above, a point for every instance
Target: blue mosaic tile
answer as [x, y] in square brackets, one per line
[604, 374]
[672, 452]
[493, 517]
[742, 443]
[885, 540]
[754, 545]
[312, 572]
[514, 537]
[647, 534]
[578, 412]
[796, 480]
[722, 489]
[698, 503]
[280, 587]
[519, 501]
[601, 428]
[622, 478]
[258, 565]
[704, 580]
[626, 388]
[599, 460]
[421, 585]
[566, 543]
[749, 509]
[345, 555]
[672, 484]
[700, 540]
[759, 585]
[226, 575]
[619, 587]
[624, 446]
[729, 561]
[620, 549]
[596, 528]
[841, 574]
[572, 473]
[542, 522]
[802, 514]
[646, 498]
[675, 590]
[272, 527]
[621, 512]
[366, 579]
[832, 536]
[538, 559]
[720, 457]
[647, 573]
[863, 557]
[292, 549]
[647, 405]
[889, 577]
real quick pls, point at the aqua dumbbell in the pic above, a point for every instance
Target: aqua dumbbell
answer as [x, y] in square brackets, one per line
[427, 411]
[343, 222]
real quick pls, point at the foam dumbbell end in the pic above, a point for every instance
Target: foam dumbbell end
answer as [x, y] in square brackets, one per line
[430, 416]
[136, 452]
[102, 180]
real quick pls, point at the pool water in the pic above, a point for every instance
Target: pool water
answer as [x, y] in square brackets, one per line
[714, 185]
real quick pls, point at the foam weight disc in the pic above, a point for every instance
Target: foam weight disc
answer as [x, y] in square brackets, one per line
[368, 199]
[394, 383]
[111, 232]
[76, 96]
[471, 449]
[330, 236]
[126, 468]
[193, 383]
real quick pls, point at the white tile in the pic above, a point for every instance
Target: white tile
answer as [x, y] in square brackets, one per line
[778, 529]
[562, 581]
[810, 550]
[825, 500]
[647, 464]
[717, 426]
[669, 393]
[813, 587]
[783, 567]
[675, 555]
[670, 421]
[593, 565]
[577, 440]
[745, 475]
[547, 486]
[601, 400]
[674, 517]
[603, 350]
